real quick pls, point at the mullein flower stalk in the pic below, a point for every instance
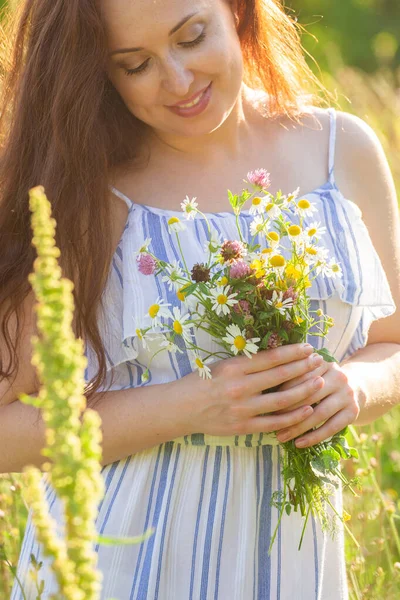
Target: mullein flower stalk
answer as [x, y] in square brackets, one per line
[73, 433]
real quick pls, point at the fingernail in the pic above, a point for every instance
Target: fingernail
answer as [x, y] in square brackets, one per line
[316, 359]
[307, 349]
[301, 443]
[317, 382]
[284, 438]
[308, 410]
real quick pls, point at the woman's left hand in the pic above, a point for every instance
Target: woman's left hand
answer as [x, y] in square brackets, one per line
[337, 405]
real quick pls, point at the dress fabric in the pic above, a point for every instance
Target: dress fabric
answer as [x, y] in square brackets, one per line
[208, 497]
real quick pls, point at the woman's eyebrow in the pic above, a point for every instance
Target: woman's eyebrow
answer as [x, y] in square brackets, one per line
[173, 30]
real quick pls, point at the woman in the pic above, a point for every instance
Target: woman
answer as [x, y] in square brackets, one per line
[120, 110]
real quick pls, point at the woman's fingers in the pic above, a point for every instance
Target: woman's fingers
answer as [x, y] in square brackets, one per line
[274, 422]
[319, 371]
[268, 359]
[333, 425]
[283, 402]
[256, 382]
[325, 410]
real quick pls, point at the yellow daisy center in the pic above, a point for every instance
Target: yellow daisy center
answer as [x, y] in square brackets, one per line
[199, 363]
[319, 312]
[266, 251]
[139, 334]
[180, 292]
[224, 280]
[298, 320]
[173, 220]
[335, 268]
[279, 304]
[177, 327]
[311, 251]
[256, 201]
[273, 236]
[294, 230]
[269, 206]
[153, 310]
[222, 299]
[239, 342]
[260, 227]
[303, 204]
[312, 232]
[277, 261]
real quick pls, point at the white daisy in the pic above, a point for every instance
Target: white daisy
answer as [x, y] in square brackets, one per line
[222, 301]
[257, 205]
[295, 234]
[157, 310]
[273, 239]
[315, 254]
[333, 269]
[272, 210]
[200, 364]
[236, 338]
[279, 303]
[258, 225]
[144, 247]
[189, 207]
[287, 199]
[304, 208]
[180, 326]
[170, 346]
[314, 230]
[143, 337]
[175, 225]
[175, 276]
[213, 244]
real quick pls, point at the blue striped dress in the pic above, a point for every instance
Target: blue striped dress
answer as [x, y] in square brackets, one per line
[208, 497]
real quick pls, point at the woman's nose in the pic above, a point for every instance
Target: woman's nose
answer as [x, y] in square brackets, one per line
[177, 78]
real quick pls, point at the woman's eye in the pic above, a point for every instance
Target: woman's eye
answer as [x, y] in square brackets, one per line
[142, 68]
[198, 40]
[139, 69]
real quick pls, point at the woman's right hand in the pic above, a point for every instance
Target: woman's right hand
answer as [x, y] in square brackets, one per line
[230, 403]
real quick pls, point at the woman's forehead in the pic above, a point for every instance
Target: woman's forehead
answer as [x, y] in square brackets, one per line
[122, 17]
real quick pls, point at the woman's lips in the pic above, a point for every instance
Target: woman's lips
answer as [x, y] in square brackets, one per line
[200, 104]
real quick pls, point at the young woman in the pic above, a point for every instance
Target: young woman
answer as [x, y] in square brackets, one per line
[120, 109]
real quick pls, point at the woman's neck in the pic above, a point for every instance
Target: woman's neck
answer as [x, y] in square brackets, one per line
[225, 142]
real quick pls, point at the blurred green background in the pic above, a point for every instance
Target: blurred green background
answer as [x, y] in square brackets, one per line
[356, 45]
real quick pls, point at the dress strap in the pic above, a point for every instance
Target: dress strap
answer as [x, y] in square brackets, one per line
[332, 140]
[122, 196]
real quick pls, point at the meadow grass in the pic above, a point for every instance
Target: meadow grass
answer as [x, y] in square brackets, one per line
[374, 570]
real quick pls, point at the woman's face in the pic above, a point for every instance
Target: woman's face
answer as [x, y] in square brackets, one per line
[183, 72]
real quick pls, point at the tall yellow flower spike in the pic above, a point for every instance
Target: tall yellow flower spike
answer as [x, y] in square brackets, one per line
[73, 434]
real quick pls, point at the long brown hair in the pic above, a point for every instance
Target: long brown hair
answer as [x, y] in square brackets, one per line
[64, 126]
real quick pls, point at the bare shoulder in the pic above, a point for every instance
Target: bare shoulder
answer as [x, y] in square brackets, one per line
[363, 175]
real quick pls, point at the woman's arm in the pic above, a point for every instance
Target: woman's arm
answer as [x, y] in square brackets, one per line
[373, 371]
[367, 384]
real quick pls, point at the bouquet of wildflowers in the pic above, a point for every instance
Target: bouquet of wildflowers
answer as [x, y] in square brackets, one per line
[250, 298]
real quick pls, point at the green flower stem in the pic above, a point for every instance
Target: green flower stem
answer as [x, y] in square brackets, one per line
[183, 257]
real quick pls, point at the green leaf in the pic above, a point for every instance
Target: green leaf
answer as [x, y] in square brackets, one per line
[326, 355]
[124, 541]
[190, 289]
[263, 316]
[325, 463]
[283, 334]
[264, 341]
[204, 289]
[288, 509]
